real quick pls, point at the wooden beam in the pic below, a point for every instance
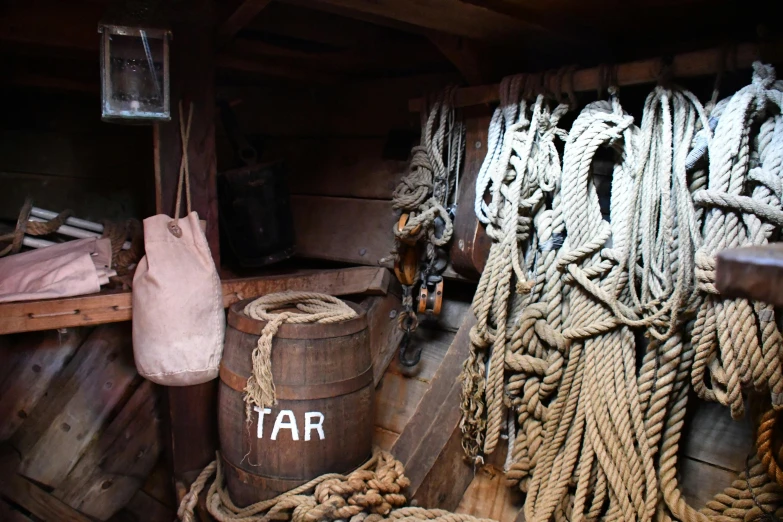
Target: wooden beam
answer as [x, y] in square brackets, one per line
[470, 243]
[687, 65]
[464, 54]
[447, 16]
[192, 83]
[430, 445]
[242, 16]
[550, 20]
[752, 272]
[24, 493]
[272, 67]
[385, 335]
[116, 306]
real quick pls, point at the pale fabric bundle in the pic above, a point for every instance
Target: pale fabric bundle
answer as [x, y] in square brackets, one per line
[65, 270]
[178, 317]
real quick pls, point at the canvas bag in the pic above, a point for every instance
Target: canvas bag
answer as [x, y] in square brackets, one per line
[178, 317]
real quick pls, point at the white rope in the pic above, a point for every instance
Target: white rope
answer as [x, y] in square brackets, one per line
[591, 436]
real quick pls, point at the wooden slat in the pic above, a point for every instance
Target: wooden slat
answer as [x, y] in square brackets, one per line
[114, 467]
[464, 54]
[488, 496]
[31, 497]
[144, 508]
[752, 272]
[713, 437]
[449, 475]
[383, 438]
[448, 16]
[400, 390]
[385, 335]
[687, 65]
[33, 362]
[429, 446]
[345, 167]
[395, 401]
[81, 399]
[700, 482]
[470, 244]
[343, 229]
[115, 306]
[241, 17]
[9, 514]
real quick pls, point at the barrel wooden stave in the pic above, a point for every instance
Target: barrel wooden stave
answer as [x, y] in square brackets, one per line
[329, 360]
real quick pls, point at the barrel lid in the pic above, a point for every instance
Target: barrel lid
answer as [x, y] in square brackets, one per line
[237, 319]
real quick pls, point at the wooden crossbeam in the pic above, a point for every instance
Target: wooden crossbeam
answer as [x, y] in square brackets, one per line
[240, 18]
[116, 306]
[687, 65]
[447, 16]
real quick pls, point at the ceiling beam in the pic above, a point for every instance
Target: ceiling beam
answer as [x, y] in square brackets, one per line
[465, 56]
[239, 19]
[447, 16]
[554, 23]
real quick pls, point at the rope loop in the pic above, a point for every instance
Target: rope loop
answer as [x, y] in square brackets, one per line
[277, 309]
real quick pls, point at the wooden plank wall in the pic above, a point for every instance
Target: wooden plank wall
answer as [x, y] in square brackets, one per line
[55, 149]
[345, 149]
[712, 456]
[80, 429]
[400, 390]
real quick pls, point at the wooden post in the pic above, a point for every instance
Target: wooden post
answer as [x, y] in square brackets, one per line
[470, 243]
[192, 420]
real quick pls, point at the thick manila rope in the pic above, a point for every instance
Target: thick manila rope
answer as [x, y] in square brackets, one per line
[372, 493]
[278, 309]
[429, 187]
[517, 185]
[738, 342]
[595, 423]
[661, 327]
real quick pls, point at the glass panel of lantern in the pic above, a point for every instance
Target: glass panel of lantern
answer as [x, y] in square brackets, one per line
[134, 74]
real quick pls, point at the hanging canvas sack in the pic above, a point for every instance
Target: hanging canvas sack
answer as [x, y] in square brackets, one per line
[178, 318]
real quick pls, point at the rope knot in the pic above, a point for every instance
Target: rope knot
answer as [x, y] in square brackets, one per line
[763, 75]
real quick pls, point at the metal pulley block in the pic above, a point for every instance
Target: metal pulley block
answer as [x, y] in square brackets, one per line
[406, 264]
[431, 298]
[410, 239]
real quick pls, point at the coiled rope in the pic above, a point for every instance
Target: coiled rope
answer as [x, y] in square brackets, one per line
[277, 309]
[372, 493]
[590, 435]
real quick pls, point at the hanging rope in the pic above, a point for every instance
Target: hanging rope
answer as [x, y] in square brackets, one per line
[278, 309]
[738, 342]
[428, 196]
[123, 261]
[590, 436]
[372, 493]
[33, 228]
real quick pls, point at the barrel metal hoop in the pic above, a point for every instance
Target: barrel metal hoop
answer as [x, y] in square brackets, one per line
[304, 392]
[261, 482]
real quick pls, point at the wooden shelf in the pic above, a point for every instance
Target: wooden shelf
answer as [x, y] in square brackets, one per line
[754, 272]
[116, 306]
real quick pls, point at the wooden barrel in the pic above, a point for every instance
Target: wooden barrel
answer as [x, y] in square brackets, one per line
[323, 420]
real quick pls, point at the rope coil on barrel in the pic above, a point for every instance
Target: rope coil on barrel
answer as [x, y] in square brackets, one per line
[276, 310]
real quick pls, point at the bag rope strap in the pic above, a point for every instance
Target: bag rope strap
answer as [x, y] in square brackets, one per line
[184, 170]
